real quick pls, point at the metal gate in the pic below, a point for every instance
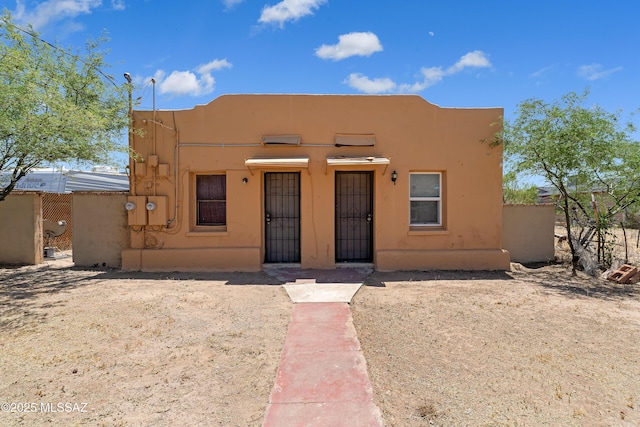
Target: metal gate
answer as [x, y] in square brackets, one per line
[354, 216]
[282, 216]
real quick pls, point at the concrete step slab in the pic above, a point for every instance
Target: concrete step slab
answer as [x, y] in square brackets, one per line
[321, 292]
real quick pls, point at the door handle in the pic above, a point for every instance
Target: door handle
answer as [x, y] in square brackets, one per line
[369, 217]
[268, 218]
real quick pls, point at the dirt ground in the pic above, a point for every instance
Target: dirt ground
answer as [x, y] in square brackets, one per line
[105, 348]
[530, 347]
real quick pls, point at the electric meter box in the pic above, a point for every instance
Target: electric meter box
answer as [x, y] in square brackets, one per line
[137, 215]
[158, 215]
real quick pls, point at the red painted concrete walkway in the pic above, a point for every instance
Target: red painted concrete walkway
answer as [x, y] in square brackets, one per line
[322, 378]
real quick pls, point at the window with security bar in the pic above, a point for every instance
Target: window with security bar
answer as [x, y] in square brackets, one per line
[425, 198]
[211, 200]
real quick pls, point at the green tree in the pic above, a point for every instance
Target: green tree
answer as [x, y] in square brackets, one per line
[58, 105]
[580, 151]
[515, 193]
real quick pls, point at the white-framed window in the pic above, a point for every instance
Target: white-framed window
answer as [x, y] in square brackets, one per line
[425, 198]
[211, 200]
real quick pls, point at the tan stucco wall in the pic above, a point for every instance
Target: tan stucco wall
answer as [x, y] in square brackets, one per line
[414, 134]
[528, 232]
[99, 228]
[21, 240]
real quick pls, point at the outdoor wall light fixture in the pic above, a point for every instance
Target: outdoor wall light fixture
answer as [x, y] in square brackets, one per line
[394, 177]
[245, 180]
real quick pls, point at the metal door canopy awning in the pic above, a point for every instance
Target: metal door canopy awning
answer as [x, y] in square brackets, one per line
[280, 163]
[359, 161]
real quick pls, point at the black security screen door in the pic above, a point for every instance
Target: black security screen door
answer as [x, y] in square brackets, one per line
[354, 216]
[282, 216]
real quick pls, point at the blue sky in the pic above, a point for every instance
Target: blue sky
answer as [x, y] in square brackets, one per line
[492, 53]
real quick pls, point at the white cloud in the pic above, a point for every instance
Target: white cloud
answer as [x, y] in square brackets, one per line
[57, 10]
[541, 72]
[118, 4]
[433, 75]
[158, 76]
[184, 83]
[216, 64]
[288, 10]
[190, 83]
[230, 4]
[429, 76]
[54, 10]
[595, 71]
[352, 44]
[367, 85]
[475, 59]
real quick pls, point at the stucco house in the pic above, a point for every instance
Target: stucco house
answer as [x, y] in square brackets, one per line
[315, 181]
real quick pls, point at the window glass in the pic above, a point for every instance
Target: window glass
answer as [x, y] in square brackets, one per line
[424, 213]
[425, 199]
[211, 195]
[425, 185]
